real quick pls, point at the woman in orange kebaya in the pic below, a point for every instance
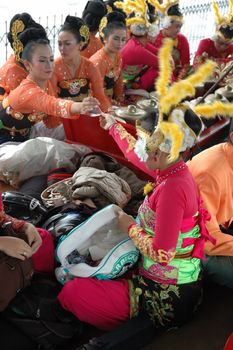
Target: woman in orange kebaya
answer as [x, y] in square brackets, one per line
[92, 14]
[22, 29]
[75, 76]
[34, 99]
[108, 59]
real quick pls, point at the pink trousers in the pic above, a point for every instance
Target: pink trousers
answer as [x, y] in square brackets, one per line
[104, 304]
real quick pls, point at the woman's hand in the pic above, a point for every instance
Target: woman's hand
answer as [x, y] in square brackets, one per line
[107, 121]
[124, 221]
[15, 247]
[84, 107]
[34, 238]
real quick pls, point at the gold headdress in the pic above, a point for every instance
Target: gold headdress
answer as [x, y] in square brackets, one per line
[85, 34]
[224, 24]
[17, 27]
[103, 24]
[164, 9]
[137, 15]
[172, 133]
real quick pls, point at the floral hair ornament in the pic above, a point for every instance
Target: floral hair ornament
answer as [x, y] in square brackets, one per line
[85, 34]
[17, 27]
[103, 24]
[178, 126]
[137, 15]
[224, 24]
[109, 9]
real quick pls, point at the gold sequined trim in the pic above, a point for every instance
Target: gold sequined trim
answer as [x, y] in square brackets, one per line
[165, 256]
[125, 135]
[134, 294]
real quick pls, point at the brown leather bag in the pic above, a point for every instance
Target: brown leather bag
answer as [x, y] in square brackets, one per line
[15, 274]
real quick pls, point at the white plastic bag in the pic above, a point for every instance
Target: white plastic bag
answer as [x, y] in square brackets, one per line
[19, 162]
[116, 251]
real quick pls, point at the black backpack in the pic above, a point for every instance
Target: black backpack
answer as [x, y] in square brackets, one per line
[37, 313]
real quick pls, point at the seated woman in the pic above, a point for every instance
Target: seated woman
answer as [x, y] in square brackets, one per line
[22, 29]
[172, 24]
[108, 59]
[170, 229]
[34, 99]
[75, 76]
[220, 47]
[139, 60]
[93, 12]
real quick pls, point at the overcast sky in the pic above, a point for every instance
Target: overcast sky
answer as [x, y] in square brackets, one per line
[40, 8]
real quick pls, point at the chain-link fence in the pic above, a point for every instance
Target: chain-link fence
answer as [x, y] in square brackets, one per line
[199, 23]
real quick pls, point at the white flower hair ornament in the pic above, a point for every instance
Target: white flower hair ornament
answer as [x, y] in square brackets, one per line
[140, 148]
[153, 30]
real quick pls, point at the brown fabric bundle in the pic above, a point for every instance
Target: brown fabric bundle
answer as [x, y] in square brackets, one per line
[15, 274]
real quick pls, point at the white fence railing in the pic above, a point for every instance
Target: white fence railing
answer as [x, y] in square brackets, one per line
[199, 23]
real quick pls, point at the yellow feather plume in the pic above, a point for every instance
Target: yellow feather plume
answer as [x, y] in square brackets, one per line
[137, 7]
[157, 5]
[217, 108]
[178, 92]
[165, 74]
[186, 87]
[119, 5]
[202, 73]
[133, 20]
[176, 136]
[217, 12]
[230, 8]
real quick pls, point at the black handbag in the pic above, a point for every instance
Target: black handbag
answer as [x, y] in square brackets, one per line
[37, 313]
[15, 274]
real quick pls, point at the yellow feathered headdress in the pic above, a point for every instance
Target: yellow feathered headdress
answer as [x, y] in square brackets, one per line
[164, 9]
[173, 133]
[224, 24]
[136, 12]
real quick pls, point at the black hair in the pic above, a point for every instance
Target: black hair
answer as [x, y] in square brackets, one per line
[152, 13]
[92, 14]
[226, 31]
[115, 20]
[31, 32]
[30, 47]
[73, 24]
[174, 11]
[110, 3]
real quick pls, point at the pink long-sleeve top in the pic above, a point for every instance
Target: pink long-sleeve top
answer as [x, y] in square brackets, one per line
[179, 188]
[135, 56]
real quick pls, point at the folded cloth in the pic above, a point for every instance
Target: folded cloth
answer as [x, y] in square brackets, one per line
[92, 183]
